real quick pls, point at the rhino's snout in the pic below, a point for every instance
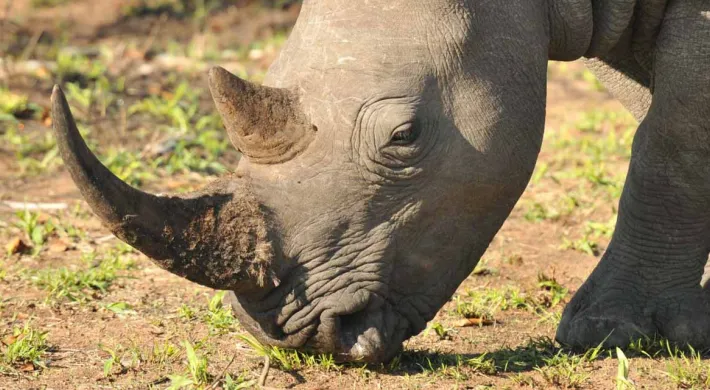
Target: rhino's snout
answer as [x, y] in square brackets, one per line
[356, 327]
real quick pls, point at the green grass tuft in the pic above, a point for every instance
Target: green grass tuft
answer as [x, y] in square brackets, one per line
[23, 345]
[14, 106]
[687, 368]
[84, 284]
[289, 360]
[219, 319]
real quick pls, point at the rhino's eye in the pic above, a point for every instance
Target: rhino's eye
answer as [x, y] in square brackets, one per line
[404, 135]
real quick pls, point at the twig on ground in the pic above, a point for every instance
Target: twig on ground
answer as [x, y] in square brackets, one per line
[35, 206]
[29, 50]
[8, 8]
[264, 372]
[474, 322]
[224, 371]
[154, 31]
[5, 62]
[104, 239]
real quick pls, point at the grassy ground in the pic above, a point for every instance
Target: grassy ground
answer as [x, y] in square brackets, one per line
[80, 310]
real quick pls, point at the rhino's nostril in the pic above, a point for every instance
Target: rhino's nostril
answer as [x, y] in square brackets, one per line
[359, 327]
[349, 321]
[351, 326]
[361, 334]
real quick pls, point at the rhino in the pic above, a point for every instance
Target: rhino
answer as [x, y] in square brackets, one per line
[389, 142]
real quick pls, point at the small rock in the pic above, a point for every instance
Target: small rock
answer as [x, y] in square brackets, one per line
[17, 245]
[156, 330]
[256, 54]
[43, 218]
[57, 245]
[7, 340]
[27, 367]
[46, 118]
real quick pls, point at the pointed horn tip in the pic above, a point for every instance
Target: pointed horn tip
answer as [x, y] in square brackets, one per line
[62, 118]
[216, 74]
[215, 70]
[57, 94]
[221, 79]
[59, 104]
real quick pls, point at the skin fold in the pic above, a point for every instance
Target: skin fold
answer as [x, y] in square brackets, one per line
[389, 143]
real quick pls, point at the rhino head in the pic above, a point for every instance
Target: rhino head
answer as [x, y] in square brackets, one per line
[388, 144]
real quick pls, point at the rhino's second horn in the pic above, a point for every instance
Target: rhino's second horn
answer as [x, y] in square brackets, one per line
[266, 124]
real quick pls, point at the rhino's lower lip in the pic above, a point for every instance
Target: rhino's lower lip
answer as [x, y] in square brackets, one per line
[368, 334]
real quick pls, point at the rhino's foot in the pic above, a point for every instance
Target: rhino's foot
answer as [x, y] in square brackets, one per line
[684, 317]
[604, 311]
[618, 305]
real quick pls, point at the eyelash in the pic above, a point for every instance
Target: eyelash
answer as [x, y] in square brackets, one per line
[404, 137]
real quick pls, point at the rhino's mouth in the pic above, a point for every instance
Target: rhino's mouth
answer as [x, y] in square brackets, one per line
[371, 331]
[353, 326]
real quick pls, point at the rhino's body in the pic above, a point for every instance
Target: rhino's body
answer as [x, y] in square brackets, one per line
[396, 139]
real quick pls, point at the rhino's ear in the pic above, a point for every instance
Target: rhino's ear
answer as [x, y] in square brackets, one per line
[571, 28]
[266, 124]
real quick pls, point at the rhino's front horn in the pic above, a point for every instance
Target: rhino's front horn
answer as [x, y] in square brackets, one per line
[266, 124]
[217, 237]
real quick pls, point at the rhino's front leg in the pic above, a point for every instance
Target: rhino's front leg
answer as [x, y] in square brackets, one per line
[648, 281]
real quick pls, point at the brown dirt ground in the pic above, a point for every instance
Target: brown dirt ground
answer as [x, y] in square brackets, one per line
[77, 332]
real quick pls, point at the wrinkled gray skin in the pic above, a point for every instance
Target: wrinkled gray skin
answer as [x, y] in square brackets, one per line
[381, 235]
[368, 236]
